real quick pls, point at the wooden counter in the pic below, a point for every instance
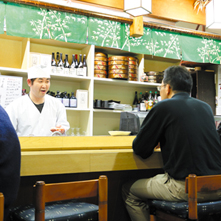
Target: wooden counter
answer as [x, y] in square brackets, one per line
[63, 155]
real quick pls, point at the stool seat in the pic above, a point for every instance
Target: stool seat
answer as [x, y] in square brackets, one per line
[58, 211]
[181, 208]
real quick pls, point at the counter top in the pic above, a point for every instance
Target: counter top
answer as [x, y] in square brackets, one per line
[61, 155]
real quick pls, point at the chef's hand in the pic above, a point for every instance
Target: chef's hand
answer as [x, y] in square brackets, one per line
[58, 128]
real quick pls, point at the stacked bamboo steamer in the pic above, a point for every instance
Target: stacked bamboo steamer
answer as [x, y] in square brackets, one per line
[133, 68]
[100, 65]
[154, 77]
[118, 67]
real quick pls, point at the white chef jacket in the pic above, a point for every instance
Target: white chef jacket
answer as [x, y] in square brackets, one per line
[28, 121]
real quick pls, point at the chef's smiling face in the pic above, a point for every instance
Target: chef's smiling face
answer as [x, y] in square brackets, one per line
[39, 87]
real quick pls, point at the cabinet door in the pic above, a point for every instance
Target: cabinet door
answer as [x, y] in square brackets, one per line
[206, 87]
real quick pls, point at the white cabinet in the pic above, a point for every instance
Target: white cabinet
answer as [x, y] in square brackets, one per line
[14, 60]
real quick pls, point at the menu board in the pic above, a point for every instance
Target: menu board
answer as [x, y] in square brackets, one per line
[10, 89]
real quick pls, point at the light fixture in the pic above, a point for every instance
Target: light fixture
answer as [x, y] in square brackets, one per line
[213, 15]
[138, 7]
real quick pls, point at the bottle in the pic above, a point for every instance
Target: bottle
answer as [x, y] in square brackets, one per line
[53, 64]
[66, 100]
[57, 57]
[73, 100]
[76, 61]
[58, 96]
[66, 65]
[140, 98]
[155, 100]
[142, 104]
[23, 92]
[84, 66]
[80, 66]
[60, 66]
[150, 101]
[135, 102]
[73, 68]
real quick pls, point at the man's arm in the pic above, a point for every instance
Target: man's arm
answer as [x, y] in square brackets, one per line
[150, 133]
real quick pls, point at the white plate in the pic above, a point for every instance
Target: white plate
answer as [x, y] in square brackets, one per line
[119, 133]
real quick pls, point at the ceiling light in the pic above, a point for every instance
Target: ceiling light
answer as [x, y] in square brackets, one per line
[138, 7]
[213, 15]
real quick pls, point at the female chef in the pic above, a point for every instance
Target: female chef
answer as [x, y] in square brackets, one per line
[37, 113]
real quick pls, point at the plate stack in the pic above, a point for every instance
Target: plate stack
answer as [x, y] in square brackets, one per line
[118, 67]
[133, 68]
[100, 65]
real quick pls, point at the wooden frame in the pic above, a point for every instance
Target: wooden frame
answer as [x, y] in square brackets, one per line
[1, 207]
[193, 185]
[62, 191]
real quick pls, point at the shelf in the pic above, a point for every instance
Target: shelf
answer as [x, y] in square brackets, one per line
[124, 82]
[69, 77]
[76, 109]
[107, 111]
[14, 71]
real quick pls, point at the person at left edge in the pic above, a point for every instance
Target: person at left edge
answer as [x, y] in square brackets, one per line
[37, 113]
[10, 162]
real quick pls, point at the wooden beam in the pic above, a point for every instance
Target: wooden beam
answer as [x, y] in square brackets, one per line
[136, 29]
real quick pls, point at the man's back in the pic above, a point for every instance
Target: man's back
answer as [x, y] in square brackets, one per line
[186, 130]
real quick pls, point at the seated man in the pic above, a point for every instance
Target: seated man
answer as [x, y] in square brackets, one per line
[37, 113]
[10, 159]
[185, 129]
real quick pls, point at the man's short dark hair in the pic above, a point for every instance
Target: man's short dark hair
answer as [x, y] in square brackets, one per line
[32, 80]
[179, 79]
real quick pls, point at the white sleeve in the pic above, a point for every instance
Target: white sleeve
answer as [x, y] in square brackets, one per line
[62, 117]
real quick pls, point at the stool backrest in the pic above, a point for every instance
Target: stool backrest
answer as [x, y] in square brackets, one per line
[71, 190]
[1, 207]
[195, 184]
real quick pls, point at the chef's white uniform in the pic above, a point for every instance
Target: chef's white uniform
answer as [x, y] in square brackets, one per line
[28, 121]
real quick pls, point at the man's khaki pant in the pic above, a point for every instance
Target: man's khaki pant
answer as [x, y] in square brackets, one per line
[161, 187]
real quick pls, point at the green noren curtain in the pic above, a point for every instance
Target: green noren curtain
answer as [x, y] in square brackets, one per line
[2, 15]
[34, 22]
[105, 33]
[142, 45]
[166, 44]
[194, 48]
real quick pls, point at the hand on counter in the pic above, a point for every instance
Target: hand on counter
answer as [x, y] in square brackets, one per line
[157, 148]
[58, 128]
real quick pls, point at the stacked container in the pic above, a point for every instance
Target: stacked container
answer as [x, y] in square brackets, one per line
[118, 67]
[154, 77]
[100, 65]
[133, 68]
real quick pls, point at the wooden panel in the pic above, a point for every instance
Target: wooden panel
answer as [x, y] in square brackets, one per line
[64, 162]
[109, 3]
[54, 162]
[123, 160]
[180, 10]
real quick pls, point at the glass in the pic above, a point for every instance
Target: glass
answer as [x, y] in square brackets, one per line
[159, 87]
